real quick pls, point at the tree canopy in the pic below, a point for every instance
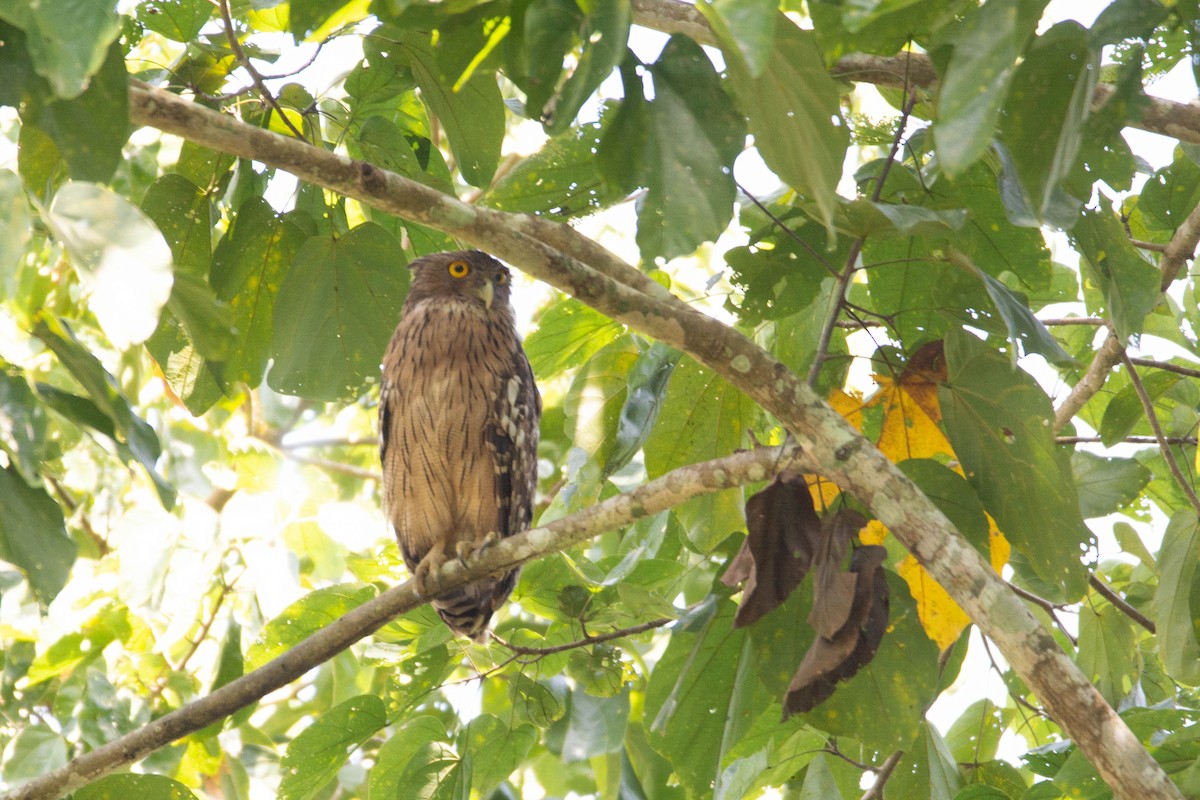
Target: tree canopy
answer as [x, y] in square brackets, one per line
[858, 323]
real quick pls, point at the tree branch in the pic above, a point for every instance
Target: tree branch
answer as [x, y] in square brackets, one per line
[651, 498]
[244, 60]
[1121, 604]
[1152, 417]
[588, 639]
[1107, 357]
[836, 449]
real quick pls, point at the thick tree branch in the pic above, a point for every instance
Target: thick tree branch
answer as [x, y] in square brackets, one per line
[655, 496]
[1178, 120]
[838, 450]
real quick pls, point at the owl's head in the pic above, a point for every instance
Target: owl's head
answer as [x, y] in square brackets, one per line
[471, 275]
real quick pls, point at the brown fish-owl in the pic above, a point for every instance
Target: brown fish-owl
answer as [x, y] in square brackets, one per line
[458, 428]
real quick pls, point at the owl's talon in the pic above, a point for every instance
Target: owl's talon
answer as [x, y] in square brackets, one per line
[427, 574]
[467, 549]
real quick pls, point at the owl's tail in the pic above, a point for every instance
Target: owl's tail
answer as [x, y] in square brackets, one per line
[467, 611]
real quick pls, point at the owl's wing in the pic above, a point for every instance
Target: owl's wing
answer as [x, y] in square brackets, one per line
[513, 437]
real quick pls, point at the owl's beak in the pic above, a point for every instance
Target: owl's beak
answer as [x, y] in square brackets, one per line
[487, 293]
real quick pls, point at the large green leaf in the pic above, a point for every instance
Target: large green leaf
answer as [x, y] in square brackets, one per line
[22, 426]
[647, 385]
[113, 246]
[702, 697]
[987, 43]
[559, 181]
[417, 761]
[180, 20]
[999, 423]
[1125, 411]
[1129, 282]
[604, 34]
[790, 107]
[541, 37]
[1108, 650]
[1046, 112]
[748, 25]
[33, 536]
[302, 619]
[1179, 584]
[90, 129]
[68, 40]
[144, 787]
[335, 313]
[568, 333]
[703, 417]
[119, 420]
[35, 751]
[473, 115]
[314, 757]
[695, 135]
[492, 749]
[1106, 484]
[1170, 194]
[248, 268]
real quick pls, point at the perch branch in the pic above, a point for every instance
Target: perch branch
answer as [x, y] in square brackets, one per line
[837, 450]
[650, 498]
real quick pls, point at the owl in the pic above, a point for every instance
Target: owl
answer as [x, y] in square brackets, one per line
[458, 428]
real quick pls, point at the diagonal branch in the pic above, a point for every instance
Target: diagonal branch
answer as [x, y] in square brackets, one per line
[651, 498]
[836, 449]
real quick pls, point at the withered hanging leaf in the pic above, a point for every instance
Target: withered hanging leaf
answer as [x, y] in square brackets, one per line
[783, 533]
[830, 660]
[833, 587]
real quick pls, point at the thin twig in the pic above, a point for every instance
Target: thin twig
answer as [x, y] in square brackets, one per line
[1126, 440]
[882, 774]
[1166, 367]
[1048, 607]
[1121, 604]
[787, 229]
[72, 505]
[1093, 321]
[1151, 246]
[335, 467]
[843, 280]
[244, 60]
[1152, 417]
[585, 641]
[332, 441]
[1107, 357]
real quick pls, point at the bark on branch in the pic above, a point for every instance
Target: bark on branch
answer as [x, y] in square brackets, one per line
[616, 289]
[651, 498]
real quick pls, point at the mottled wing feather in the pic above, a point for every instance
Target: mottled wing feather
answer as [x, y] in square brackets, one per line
[513, 438]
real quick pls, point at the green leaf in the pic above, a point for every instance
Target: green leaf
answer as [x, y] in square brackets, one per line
[559, 181]
[1129, 282]
[180, 20]
[703, 417]
[1124, 411]
[999, 423]
[119, 421]
[473, 115]
[953, 496]
[646, 387]
[593, 726]
[418, 755]
[1024, 329]
[750, 26]
[335, 313]
[694, 705]
[388, 145]
[624, 149]
[1107, 484]
[494, 749]
[792, 101]
[592, 408]
[568, 334]
[987, 43]
[604, 34]
[33, 536]
[1179, 582]
[544, 35]
[302, 619]
[81, 647]
[818, 781]
[22, 426]
[1046, 112]
[314, 757]
[114, 245]
[248, 268]
[863, 218]
[68, 40]
[90, 130]
[1107, 650]
[975, 735]
[1170, 194]
[695, 135]
[143, 787]
[33, 752]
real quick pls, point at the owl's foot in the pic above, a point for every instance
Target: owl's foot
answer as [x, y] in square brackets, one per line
[426, 574]
[467, 549]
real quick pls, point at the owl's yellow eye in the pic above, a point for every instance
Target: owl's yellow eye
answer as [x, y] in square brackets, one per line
[459, 269]
[502, 278]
